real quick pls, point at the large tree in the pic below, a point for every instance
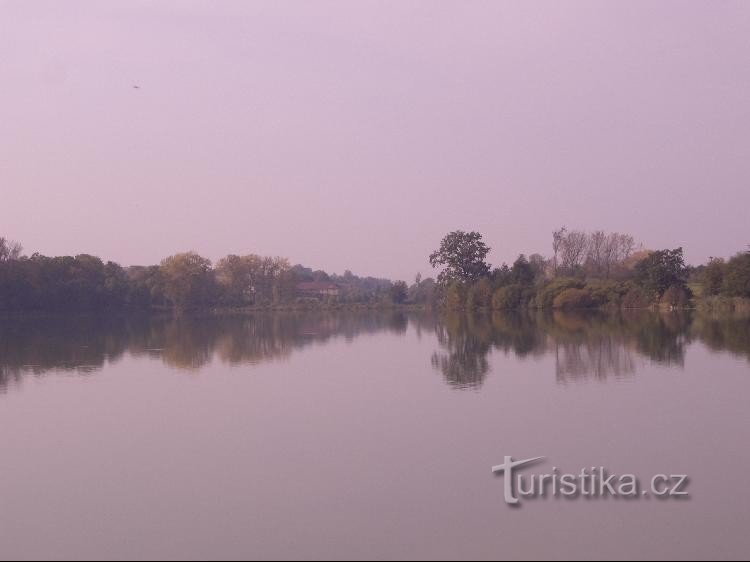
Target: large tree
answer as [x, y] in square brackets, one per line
[661, 270]
[462, 254]
[188, 279]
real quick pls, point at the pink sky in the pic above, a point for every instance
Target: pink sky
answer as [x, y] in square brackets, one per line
[354, 135]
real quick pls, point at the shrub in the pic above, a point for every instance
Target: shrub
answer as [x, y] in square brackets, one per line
[606, 293]
[508, 297]
[636, 298]
[546, 296]
[479, 295]
[573, 298]
[455, 296]
[675, 296]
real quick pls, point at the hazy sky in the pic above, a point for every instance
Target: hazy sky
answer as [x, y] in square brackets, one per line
[355, 134]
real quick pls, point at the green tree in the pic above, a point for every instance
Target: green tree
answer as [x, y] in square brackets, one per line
[713, 276]
[462, 254]
[737, 277]
[661, 270]
[522, 271]
[115, 284]
[501, 276]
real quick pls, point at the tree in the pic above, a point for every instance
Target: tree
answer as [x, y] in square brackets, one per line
[597, 253]
[423, 292]
[539, 265]
[737, 278]
[479, 295]
[522, 271]
[676, 297]
[573, 251]
[234, 278]
[661, 270]
[86, 278]
[507, 297]
[115, 284]
[501, 276]
[272, 279]
[617, 249]
[9, 250]
[145, 286]
[399, 291]
[188, 279]
[258, 279]
[455, 296]
[557, 241]
[463, 256]
[713, 276]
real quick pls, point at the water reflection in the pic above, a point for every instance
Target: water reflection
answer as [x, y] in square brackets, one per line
[83, 345]
[584, 346]
[465, 343]
[593, 345]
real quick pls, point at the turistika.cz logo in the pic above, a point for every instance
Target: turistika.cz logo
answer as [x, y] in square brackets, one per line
[593, 482]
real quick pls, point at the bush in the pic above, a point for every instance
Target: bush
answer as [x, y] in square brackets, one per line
[455, 296]
[606, 293]
[676, 296]
[547, 295]
[573, 298]
[479, 295]
[636, 298]
[508, 297]
[724, 305]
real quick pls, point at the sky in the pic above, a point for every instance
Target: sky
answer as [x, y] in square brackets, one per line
[354, 135]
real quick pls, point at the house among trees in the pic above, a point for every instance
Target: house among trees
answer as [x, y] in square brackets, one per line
[318, 289]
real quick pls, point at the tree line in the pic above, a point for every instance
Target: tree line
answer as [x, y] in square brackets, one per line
[182, 281]
[585, 270]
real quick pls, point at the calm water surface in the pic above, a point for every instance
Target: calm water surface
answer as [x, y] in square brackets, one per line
[343, 435]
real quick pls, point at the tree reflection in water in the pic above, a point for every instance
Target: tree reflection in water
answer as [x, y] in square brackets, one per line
[585, 345]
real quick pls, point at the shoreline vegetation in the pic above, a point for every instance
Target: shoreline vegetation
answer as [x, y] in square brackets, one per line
[598, 270]
[586, 270]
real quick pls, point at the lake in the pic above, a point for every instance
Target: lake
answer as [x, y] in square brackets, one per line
[369, 434]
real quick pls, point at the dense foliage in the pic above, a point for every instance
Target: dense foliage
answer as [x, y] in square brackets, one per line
[181, 281]
[586, 270]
